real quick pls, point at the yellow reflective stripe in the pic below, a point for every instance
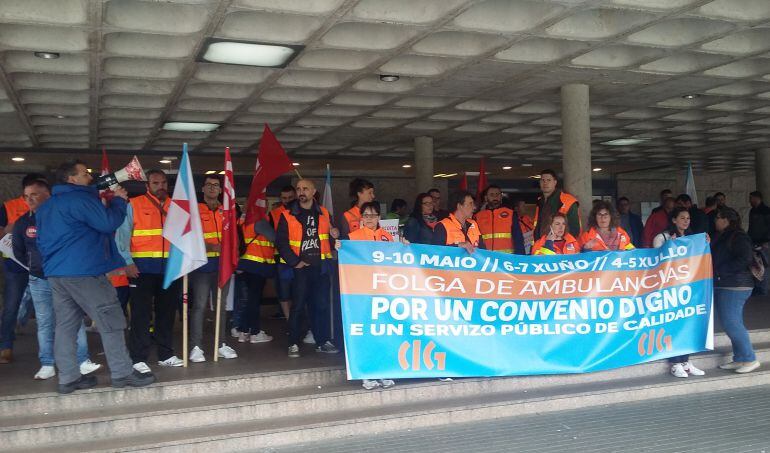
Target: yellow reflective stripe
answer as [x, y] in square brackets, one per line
[153, 232]
[149, 254]
[496, 236]
[629, 247]
[262, 243]
[326, 256]
[545, 251]
[502, 250]
[295, 243]
[212, 254]
[258, 259]
[212, 235]
[323, 236]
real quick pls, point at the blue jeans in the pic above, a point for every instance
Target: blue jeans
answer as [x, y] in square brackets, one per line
[15, 284]
[25, 308]
[729, 306]
[42, 299]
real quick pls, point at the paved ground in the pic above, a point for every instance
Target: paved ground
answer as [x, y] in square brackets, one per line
[729, 421]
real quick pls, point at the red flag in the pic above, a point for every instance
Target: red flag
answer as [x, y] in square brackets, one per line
[106, 194]
[482, 179]
[464, 182]
[228, 255]
[272, 162]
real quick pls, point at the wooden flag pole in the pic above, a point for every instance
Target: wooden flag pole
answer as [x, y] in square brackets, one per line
[216, 326]
[185, 350]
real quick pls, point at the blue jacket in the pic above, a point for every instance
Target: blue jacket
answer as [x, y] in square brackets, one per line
[75, 232]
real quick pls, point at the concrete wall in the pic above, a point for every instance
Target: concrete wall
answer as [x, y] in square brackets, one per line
[10, 186]
[646, 186]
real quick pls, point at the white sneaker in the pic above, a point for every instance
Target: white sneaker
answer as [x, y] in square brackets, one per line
[445, 379]
[235, 333]
[370, 384]
[678, 370]
[261, 337]
[387, 383]
[171, 361]
[89, 367]
[45, 372]
[196, 355]
[243, 337]
[293, 351]
[691, 369]
[142, 367]
[309, 338]
[226, 352]
[748, 367]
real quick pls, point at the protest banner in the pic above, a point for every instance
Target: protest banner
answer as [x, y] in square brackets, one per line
[421, 311]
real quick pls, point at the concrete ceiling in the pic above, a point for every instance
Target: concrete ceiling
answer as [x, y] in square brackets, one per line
[481, 77]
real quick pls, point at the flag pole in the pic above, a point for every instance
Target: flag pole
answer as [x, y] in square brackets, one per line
[216, 326]
[184, 320]
[297, 172]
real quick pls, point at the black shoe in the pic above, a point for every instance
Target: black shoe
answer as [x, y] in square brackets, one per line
[278, 315]
[135, 379]
[84, 382]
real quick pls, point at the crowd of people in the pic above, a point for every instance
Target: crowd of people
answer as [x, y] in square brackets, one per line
[102, 256]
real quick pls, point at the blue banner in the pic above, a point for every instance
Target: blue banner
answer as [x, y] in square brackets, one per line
[422, 311]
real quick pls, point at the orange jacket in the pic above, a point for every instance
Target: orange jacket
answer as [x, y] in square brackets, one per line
[526, 223]
[495, 226]
[211, 221]
[566, 201]
[353, 218]
[119, 278]
[275, 215]
[295, 233]
[455, 234]
[568, 247]
[366, 234]
[147, 242]
[624, 240]
[15, 208]
[259, 249]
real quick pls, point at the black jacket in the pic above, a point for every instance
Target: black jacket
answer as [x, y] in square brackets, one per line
[417, 231]
[759, 224]
[732, 254]
[25, 244]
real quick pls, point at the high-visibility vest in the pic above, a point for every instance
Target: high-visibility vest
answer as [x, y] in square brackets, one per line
[455, 234]
[367, 234]
[118, 278]
[495, 226]
[275, 215]
[566, 200]
[211, 221]
[624, 240]
[527, 231]
[258, 248]
[353, 218]
[15, 208]
[568, 247]
[147, 236]
[295, 233]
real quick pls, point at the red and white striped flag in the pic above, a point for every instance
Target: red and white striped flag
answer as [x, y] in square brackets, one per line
[228, 258]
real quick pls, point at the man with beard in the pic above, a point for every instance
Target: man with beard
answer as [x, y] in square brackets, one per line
[303, 240]
[141, 243]
[499, 225]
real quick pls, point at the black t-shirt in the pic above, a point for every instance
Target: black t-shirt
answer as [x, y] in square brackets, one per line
[310, 248]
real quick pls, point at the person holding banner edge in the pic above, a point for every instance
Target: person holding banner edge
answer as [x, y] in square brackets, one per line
[371, 231]
[680, 226]
[459, 229]
[604, 233]
[557, 241]
[732, 253]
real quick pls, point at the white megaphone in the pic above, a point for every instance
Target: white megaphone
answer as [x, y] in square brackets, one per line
[131, 172]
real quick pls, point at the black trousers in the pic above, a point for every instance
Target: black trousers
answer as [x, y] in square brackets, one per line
[147, 298]
[311, 288]
[255, 285]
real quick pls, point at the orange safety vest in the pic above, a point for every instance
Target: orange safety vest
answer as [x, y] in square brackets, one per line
[455, 234]
[119, 278]
[147, 236]
[15, 208]
[566, 200]
[367, 234]
[353, 217]
[624, 240]
[211, 221]
[295, 233]
[275, 215]
[258, 248]
[569, 247]
[526, 223]
[495, 227]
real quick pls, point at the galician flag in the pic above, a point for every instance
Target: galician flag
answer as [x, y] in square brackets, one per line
[689, 186]
[326, 201]
[183, 227]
